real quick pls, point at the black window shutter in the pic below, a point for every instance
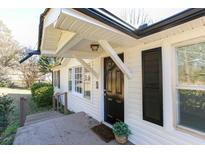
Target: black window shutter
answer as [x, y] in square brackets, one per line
[152, 86]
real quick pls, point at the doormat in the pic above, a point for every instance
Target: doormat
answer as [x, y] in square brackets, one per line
[104, 132]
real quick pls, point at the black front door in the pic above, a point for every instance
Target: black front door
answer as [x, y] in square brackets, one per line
[113, 91]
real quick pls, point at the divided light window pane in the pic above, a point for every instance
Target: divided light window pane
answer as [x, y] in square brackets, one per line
[192, 109]
[87, 84]
[78, 80]
[70, 79]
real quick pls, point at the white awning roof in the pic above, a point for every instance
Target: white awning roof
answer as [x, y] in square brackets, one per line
[67, 31]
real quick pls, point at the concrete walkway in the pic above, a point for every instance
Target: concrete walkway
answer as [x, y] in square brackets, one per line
[39, 117]
[60, 129]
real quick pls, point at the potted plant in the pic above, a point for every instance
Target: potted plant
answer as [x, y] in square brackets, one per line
[121, 132]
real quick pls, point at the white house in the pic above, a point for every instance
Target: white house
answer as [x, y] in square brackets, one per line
[152, 78]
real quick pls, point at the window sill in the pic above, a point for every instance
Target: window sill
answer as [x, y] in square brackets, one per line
[190, 131]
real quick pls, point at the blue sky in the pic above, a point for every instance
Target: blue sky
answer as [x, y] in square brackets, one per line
[24, 22]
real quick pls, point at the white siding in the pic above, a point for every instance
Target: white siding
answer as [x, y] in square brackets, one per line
[143, 132]
[77, 103]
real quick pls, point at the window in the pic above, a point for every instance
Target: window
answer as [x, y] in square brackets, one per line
[78, 80]
[56, 79]
[87, 84]
[70, 79]
[191, 86]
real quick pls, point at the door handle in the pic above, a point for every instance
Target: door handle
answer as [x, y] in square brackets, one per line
[109, 99]
[105, 92]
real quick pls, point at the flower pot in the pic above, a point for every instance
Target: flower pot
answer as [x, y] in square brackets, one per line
[121, 139]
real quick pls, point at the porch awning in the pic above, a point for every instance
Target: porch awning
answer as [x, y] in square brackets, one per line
[67, 31]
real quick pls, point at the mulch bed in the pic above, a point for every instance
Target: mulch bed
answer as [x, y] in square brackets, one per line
[104, 132]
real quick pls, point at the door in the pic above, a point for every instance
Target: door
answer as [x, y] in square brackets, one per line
[113, 91]
[152, 86]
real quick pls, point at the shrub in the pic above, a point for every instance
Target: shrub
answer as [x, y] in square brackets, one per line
[6, 83]
[35, 86]
[121, 129]
[43, 96]
[2, 84]
[8, 135]
[6, 107]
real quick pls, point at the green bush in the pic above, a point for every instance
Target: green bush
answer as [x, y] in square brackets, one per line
[43, 96]
[6, 107]
[35, 86]
[2, 84]
[121, 129]
[8, 135]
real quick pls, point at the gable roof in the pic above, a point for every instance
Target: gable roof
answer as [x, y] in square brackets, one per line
[110, 19]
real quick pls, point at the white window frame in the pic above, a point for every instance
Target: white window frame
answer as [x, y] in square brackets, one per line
[81, 95]
[74, 88]
[71, 79]
[177, 86]
[56, 80]
[90, 83]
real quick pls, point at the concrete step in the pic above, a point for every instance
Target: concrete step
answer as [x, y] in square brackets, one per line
[42, 116]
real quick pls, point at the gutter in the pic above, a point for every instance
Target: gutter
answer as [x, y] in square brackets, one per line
[40, 32]
[34, 52]
[175, 20]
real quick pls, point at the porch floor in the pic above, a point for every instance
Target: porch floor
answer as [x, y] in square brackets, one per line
[59, 129]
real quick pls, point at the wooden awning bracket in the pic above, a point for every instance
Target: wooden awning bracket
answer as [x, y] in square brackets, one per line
[112, 53]
[87, 66]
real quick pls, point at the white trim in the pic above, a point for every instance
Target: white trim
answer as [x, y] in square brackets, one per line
[191, 87]
[191, 131]
[177, 85]
[190, 42]
[101, 106]
[107, 124]
[70, 78]
[73, 91]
